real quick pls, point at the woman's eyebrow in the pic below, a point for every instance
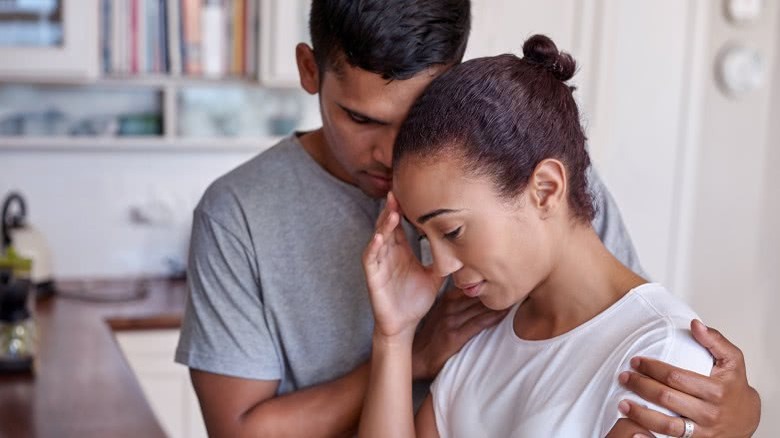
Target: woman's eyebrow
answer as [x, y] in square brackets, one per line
[428, 216]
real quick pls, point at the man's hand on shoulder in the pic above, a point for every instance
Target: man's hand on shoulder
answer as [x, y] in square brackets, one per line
[722, 404]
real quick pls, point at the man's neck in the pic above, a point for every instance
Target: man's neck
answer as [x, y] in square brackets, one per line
[316, 145]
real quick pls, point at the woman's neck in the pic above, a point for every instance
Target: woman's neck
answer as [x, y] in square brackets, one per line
[585, 281]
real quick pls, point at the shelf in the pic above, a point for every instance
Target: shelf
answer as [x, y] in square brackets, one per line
[153, 81]
[141, 144]
[159, 81]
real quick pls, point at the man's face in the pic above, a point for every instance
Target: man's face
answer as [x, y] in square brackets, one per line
[361, 116]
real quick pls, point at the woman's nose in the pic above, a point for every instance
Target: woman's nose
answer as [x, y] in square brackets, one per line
[444, 261]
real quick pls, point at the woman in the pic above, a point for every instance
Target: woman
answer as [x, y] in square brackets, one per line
[490, 166]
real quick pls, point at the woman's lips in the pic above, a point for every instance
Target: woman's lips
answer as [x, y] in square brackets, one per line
[472, 289]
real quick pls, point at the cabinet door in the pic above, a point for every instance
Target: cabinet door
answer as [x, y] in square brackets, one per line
[49, 40]
[165, 384]
[283, 24]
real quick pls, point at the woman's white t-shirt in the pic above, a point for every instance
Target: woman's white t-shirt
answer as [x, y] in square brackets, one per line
[499, 385]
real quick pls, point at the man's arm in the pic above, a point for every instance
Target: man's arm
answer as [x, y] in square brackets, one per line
[235, 407]
[239, 407]
[608, 224]
[721, 405]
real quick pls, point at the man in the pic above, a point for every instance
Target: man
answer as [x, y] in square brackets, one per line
[277, 332]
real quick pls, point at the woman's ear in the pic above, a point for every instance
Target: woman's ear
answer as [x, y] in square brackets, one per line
[308, 71]
[547, 187]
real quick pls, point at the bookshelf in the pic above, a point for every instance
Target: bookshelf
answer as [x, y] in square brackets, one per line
[230, 47]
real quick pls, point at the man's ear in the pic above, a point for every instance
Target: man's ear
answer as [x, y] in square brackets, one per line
[547, 187]
[308, 71]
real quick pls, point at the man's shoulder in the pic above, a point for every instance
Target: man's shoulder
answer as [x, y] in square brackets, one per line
[276, 162]
[266, 174]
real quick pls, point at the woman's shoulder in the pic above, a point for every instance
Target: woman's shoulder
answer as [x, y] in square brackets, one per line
[659, 302]
[663, 331]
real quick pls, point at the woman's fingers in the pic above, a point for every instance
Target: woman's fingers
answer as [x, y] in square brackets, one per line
[371, 255]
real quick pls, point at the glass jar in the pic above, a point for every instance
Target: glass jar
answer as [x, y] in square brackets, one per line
[18, 334]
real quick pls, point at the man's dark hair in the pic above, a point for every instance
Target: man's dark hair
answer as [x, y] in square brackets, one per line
[393, 38]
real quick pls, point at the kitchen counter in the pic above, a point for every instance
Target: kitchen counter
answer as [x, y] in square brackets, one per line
[82, 385]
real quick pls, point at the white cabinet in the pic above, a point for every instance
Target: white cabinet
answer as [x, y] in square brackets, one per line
[29, 52]
[165, 384]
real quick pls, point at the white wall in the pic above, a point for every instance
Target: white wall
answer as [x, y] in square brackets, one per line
[733, 245]
[693, 170]
[82, 201]
[642, 56]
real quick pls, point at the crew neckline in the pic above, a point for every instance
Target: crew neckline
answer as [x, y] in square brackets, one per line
[508, 323]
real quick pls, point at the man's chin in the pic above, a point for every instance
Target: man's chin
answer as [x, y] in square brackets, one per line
[375, 187]
[373, 191]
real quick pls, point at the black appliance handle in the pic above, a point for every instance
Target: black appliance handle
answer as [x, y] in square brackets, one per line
[15, 221]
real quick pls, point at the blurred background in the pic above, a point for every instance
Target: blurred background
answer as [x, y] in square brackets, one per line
[116, 115]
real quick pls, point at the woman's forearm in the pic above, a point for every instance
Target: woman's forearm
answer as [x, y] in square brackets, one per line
[388, 410]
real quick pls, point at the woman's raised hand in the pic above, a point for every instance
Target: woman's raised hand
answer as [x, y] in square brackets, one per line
[401, 289]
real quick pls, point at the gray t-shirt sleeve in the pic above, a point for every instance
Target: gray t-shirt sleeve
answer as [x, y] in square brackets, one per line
[609, 224]
[224, 330]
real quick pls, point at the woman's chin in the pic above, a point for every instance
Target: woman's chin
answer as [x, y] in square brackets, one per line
[493, 303]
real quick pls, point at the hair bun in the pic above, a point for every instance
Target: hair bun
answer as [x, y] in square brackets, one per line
[540, 49]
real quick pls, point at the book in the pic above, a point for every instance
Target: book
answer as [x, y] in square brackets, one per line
[174, 29]
[191, 36]
[213, 40]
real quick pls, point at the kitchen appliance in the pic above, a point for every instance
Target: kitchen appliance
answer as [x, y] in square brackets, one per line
[27, 242]
[18, 334]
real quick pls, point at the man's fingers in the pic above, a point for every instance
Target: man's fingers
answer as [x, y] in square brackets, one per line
[669, 398]
[480, 322]
[726, 354]
[454, 301]
[686, 381]
[459, 318]
[652, 420]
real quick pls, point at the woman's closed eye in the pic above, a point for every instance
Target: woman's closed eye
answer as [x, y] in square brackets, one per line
[454, 234]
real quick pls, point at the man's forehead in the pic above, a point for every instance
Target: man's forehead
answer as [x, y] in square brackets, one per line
[371, 94]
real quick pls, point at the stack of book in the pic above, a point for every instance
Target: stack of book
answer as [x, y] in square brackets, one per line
[213, 38]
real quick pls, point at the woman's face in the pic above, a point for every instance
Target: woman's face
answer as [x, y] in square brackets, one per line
[495, 249]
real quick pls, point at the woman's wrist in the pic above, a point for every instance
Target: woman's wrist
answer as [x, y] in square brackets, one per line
[403, 339]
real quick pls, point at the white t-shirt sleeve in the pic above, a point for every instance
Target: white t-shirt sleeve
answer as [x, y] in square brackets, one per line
[671, 343]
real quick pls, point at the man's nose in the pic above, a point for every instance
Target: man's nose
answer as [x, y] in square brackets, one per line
[383, 151]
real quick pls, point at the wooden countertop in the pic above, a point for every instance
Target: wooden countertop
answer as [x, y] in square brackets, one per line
[82, 386]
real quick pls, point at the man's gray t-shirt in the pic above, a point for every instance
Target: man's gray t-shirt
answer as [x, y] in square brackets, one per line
[277, 290]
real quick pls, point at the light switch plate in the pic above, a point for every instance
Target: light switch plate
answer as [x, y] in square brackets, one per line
[743, 11]
[740, 70]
